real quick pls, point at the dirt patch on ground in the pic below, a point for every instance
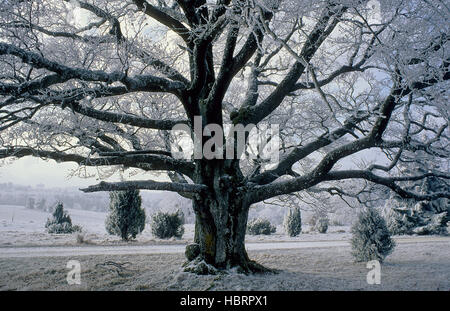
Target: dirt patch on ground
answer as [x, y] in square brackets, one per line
[424, 266]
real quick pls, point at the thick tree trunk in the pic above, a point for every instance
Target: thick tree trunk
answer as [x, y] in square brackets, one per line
[222, 210]
[220, 232]
[221, 222]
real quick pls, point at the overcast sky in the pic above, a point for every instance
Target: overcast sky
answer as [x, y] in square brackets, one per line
[32, 171]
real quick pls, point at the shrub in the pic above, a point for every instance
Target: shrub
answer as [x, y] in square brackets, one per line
[126, 218]
[60, 221]
[192, 251]
[371, 239]
[167, 225]
[321, 224]
[260, 226]
[319, 221]
[77, 228]
[81, 239]
[293, 222]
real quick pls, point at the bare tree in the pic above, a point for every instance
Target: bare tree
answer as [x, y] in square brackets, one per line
[102, 83]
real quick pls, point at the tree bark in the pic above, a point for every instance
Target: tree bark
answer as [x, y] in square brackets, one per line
[221, 220]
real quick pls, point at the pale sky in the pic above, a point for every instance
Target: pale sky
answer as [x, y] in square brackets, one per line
[32, 171]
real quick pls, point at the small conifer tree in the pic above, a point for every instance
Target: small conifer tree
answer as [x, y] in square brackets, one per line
[126, 218]
[371, 239]
[60, 222]
[293, 221]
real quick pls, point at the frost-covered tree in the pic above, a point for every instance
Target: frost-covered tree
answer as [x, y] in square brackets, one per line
[371, 239]
[126, 217]
[260, 226]
[102, 83]
[321, 224]
[293, 221]
[408, 216]
[167, 225]
[60, 222]
[399, 221]
[411, 217]
[422, 163]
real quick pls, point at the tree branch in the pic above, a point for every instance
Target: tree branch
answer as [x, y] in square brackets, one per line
[64, 73]
[164, 18]
[253, 115]
[148, 162]
[300, 153]
[126, 119]
[390, 182]
[147, 185]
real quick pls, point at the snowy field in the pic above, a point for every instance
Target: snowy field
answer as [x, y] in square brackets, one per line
[24, 227]
[416, 263]
[409, 267]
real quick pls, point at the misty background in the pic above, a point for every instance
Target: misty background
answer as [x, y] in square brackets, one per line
[48, 182]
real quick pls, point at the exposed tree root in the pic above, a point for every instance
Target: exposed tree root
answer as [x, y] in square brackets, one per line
[201, 267]
[254, 267]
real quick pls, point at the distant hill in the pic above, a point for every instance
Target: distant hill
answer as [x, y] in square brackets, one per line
[45, 198]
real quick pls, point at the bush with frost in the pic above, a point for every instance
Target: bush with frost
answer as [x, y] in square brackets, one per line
[371, 239]
[259, 226]
[168, 225]
[60, 222]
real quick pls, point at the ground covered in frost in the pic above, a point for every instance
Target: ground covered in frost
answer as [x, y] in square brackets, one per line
[410, 267]
[414, 265]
